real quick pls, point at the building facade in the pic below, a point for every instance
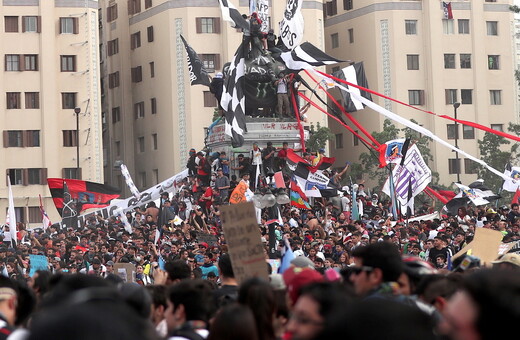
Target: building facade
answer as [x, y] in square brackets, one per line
[153, 115]
[51, 67]
[412, 53]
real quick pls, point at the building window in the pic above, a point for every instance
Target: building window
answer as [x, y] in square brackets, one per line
[113, 80]
[492, 27]
[137, 74]
[35, 215]
[493, 62]
[454, 166]
[68, 63]
[149, 33]
[466, 96]
[209, 99]
[113, 47]
[116, 114]
[154, 141]
[142, 179]
[153, 105]
[13, 100]
[211, 62]
[32, 138]
[13, 139]
[348, 5]
[32, 100]
[447, 26]
[69, 25]
[412, 61]
[31, 24]
[450, 95]
[332, 7]
[35, 176]
[11, 24]
[470, 167]
[30, 62]
[70, 138]
[465, 60]
[140, 144]
[12, 62]
[134, 6]
[147, 4]
[449, 61]
[468, 132]
[495, 97]
[139, 110]
[71, 173]
[68, 100]
[334, 38]
[152, 69]
[498, 127]
[135, 40]
[155, 174]
[339, 141]
[15, 176]
[416, 97]
[451, 130]
[117, 146]
[355, 141]
[410, 27]
[112, 13]
[351, 35]
[463, 26]
[208, 25]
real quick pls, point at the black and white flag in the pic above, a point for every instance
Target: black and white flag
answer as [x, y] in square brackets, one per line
[232, 15]
[233, 99]
[291, 26]
[354, 74]
[307, 56]
[476, 193]
[198, 73]
[69, 213]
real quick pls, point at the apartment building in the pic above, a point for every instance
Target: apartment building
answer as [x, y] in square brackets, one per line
[153, 115]
[50, 51]
[413, 53]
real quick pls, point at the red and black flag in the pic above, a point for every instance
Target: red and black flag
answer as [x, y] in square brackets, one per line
[86, 194]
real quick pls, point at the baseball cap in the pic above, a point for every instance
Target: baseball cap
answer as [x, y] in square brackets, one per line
[327, 246]
[295, 278]
[204, 244]
[509, 258]
[302, 262]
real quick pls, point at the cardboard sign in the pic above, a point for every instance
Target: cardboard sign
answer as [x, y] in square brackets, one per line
[244, 241]
[125, 271]
[38, 262]
[485, 246]
[211, 240]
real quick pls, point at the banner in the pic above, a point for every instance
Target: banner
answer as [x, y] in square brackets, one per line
[147, 196]
[262, 8]
[291, 26]
[198, 73]
[11, 214]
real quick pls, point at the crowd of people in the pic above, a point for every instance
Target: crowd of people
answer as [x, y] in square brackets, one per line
[372, 277]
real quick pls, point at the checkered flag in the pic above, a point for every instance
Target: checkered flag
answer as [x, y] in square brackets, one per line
[307, 56]
[232, 15]
[233, 99]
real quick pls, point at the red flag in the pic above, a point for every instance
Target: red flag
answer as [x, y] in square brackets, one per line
[516, 198]
[446, 6]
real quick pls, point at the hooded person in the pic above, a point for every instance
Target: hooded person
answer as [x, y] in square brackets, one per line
[216, 87]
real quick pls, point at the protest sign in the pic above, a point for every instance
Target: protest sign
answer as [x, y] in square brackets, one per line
[38, 262]
[211, 240]
[485, 246]
[125, 271]
[244, 241]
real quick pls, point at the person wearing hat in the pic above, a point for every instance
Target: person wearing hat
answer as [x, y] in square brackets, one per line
[510, 261]
[199, 257]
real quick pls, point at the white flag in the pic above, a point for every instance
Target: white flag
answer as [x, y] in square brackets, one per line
[291, 27]
[11, 214]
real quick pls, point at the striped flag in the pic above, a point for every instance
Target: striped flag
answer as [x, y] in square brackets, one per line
[11, 214]
[232, 15]
[233, 99]
[446, 7]
[313, 184]
[307, 56]
[45, 218]
[298, 202]
[354, 74]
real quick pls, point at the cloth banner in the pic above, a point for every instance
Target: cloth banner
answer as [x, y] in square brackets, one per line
[198, 73]
[292, 25]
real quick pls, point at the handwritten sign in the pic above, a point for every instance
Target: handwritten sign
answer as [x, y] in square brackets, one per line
[38, 262]
[485, 245]
[125, 271]
[244, 241]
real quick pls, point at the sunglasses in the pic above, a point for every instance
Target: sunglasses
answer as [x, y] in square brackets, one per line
[358, 270]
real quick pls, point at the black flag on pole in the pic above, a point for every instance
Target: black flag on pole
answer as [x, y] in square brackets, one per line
[354, 74]
[233, 98]
[232, 15]
[198, 74]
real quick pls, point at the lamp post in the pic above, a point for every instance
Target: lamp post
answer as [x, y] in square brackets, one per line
[455, 107]
[266, 199]
[77, 111]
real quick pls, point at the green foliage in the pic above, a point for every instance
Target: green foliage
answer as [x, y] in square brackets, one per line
[494, 152]
[318, 137]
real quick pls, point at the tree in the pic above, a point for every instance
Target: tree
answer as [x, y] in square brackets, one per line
[318, 137]
[494, 152]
